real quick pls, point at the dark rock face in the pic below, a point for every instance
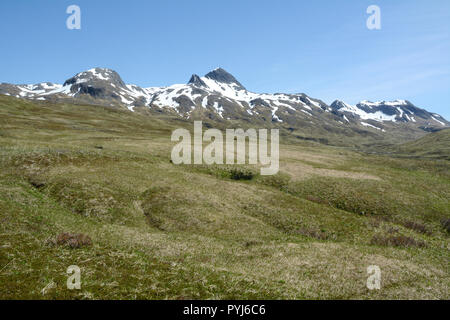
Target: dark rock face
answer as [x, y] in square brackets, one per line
[9, 89]
[430, 129]
[259, 102]
[336, 105]
[140, 102]
[220, 75]
[196, 81]
[95, 92]
[415, 110]
[389, 110]
[198, 91]
[185, 104]
[97, 83]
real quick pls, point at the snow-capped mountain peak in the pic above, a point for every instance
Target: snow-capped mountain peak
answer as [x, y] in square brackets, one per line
[96, 75]
[387, 111]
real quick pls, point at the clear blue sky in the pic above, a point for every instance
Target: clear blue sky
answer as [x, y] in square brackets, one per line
[321, 48]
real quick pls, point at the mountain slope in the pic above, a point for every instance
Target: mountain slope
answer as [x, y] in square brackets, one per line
[433, 145]
[391, 111]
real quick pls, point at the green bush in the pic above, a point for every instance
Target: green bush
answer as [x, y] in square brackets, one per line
[241, 174]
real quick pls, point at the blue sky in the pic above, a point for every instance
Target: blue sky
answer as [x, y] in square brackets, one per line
[321, 48]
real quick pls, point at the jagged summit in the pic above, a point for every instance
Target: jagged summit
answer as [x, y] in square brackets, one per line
[221, 75]
[196, 80]
[338, 104]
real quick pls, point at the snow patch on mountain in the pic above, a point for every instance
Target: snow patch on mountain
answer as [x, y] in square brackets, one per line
[371, 126]
[364, 115]
[440, 122]
[218, 108]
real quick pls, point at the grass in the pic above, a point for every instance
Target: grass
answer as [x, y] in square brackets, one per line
[155, 230]
[435, 145]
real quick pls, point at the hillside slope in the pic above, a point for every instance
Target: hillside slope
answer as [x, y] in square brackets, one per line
[433, 145]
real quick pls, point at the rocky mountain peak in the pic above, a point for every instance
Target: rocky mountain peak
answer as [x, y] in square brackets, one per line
[220, 75]
[197, 81]
[338, 104]
[96, 75]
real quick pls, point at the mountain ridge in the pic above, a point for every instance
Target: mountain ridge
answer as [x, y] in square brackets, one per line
[220, 96]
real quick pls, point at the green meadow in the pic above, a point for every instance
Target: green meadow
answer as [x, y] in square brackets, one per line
[163, 231]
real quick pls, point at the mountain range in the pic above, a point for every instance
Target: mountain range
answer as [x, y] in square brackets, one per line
[219, 96]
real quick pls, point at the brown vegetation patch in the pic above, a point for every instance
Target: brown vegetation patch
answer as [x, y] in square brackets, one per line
[417, 227]
[316, 199]
[396, 241]
[73, 240]
[319, 235]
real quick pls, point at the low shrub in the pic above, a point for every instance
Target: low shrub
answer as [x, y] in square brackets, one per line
[446, 224]
[228, 171]
[238, 173]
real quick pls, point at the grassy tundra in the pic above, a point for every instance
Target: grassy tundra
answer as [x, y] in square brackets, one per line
[154, 230]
